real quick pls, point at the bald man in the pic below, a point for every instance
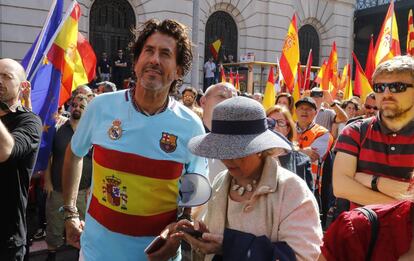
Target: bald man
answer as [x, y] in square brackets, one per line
[20, 132]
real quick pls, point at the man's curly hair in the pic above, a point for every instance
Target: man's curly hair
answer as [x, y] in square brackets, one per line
[171, 28]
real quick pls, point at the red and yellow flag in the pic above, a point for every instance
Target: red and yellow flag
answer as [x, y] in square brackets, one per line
[290, 55]
[319, 76]
[330, 75]
[370, 64]
[296, 91]
[306, 83]
[410, 34]
[231, 77]
[237, 84]
[215, 48]
[388, 43]
[72, 53]
[345, 84]
[222, 74]
[362, 86]
[269, 98]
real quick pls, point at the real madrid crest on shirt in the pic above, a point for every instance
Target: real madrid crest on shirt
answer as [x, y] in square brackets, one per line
[115, 131]
[168, 142]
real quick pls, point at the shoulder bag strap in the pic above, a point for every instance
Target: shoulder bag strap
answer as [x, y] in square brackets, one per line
[373, 219]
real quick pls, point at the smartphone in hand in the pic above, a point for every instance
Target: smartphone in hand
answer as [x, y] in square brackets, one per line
[157, 243]
[192, 232]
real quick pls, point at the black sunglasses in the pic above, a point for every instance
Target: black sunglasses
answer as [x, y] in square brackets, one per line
[394, 87]
[316, 94]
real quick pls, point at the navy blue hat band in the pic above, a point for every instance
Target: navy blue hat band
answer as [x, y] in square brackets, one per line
[239, 127]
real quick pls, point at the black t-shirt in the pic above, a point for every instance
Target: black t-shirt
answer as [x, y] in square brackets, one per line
[105, 65]
[15, 172]
[60, 142]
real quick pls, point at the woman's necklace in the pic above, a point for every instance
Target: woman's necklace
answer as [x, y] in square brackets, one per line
[242, 189]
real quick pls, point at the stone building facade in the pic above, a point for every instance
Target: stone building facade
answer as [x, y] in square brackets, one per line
[254, 26]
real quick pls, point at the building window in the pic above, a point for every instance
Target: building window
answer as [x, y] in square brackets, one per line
[308, 39]
[220, 25]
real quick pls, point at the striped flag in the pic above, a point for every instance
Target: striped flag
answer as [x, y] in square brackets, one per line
[306, 83]
[231, 77]
[215, 48]
[330, 75]
[237, 84]
[59, 62]
[222, 74]
[269, 98]
[296, 92]
[290, 55]
[410, 34]
[319, 76]
[362, 86]
[388, 43]
[370, 64]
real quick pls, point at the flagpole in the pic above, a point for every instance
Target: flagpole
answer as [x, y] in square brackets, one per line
[42, 34]
[52, 39]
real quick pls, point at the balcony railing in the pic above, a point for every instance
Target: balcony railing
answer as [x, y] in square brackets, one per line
[364, 4]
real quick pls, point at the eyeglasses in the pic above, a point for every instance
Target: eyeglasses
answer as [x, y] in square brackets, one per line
[394, 87]
[316, 94]
[271, 123]
[369, 107]
[189, 96]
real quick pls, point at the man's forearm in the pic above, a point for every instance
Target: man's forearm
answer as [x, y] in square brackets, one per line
[72, 172]
[393, 188]
[348, 188]
[6, 141]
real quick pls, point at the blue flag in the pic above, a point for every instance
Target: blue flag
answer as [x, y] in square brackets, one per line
[45, 80]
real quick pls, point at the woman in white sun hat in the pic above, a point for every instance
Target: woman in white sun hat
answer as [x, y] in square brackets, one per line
[258, 210]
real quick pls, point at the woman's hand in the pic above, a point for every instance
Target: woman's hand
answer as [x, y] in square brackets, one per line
[208, 243]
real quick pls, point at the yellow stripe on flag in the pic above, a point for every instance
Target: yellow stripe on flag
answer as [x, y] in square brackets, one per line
[110, 186]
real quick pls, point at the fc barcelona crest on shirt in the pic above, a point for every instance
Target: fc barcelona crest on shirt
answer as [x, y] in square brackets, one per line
[115, 131]
[168, 142]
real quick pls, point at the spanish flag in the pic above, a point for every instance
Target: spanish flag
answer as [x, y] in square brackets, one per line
[72, 53]
[122, 187]
[215, 48]
[222, 74]
[330, 75]
[388, 43]
[290, 55]
[410, 34]
[370, 64]
[269, 98]
[321, 72]
[296, 92]
[237, 84]
[362, 86]
[231, 77]
[59, 60]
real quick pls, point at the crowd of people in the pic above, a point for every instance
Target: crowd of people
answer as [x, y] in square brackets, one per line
[319, 178]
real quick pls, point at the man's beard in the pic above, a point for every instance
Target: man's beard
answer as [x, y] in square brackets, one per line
[394, 113]
[76, 115]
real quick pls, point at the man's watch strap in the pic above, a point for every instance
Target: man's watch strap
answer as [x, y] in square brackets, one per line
[374, 183]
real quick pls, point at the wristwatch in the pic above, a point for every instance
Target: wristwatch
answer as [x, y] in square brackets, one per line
[332, 104]
[374, 183]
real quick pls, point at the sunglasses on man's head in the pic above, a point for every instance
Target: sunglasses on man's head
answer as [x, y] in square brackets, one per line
[394, 87]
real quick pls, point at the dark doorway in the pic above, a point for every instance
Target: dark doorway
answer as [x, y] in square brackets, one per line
[309, 39]
[110, 26]
[220, 25]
